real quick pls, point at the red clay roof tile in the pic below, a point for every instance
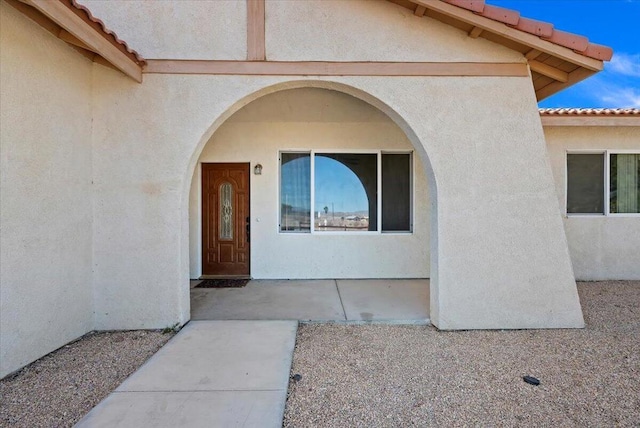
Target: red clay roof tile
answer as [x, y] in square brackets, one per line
[508, 16]
[473, 5]
[568, 40]
[533, 26]
[601, 52]
[101, 27]
[544, 30]
[589, 112]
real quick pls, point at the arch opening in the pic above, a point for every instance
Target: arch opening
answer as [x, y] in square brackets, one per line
[309, 116]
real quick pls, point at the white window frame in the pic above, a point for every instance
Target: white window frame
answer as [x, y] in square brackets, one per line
[607, 181]
[378, 153]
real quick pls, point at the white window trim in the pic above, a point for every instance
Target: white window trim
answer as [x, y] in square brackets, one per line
[378, 153]
[607, 181]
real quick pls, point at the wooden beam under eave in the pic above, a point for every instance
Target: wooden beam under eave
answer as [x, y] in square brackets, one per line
[256, 49]
[94, 40]
[35, 16]
[574, 77]
[419, 11]
[475, 32]
[99, 60]
[532, 54]
[46, 24]
[547, 70]
[73, 40]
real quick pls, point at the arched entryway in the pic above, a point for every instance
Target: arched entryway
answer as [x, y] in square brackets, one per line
[316, 122]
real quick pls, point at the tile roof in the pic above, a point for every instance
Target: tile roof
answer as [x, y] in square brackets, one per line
[544, 30]
[84, 13]
[589, 111]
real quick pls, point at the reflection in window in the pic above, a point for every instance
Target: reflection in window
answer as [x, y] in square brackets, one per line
[345, 189]
[345, 192]
[295, 192]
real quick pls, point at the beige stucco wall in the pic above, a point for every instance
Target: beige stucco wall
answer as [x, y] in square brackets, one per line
[501, 258]
[309, 30]
[306, 119]
[185, 29]
[368, 30]
[601, 247]
[45, 187]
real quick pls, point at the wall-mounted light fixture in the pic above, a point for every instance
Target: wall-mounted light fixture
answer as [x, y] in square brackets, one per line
[257, 170]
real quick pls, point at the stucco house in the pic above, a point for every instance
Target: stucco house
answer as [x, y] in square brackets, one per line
[301, 139]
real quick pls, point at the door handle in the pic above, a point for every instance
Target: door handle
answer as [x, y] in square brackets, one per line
[248, 227]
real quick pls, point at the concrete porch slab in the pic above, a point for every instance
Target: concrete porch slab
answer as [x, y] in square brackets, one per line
[396, 301]
[379, 300]
[305, 300]
[212, 373]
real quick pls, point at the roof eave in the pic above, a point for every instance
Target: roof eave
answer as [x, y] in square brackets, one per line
[511, 33]
[533, 39]
[80, 33]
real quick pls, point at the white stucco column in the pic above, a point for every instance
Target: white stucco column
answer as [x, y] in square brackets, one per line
[499, 257]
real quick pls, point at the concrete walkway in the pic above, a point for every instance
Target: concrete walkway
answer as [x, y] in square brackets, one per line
[403, 301]
[232, 372]
[211, 374]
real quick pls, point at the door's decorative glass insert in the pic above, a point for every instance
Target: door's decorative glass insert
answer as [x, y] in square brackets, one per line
[226, 211]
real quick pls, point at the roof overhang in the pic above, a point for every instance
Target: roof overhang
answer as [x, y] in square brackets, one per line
[556, 59]
[75, 25]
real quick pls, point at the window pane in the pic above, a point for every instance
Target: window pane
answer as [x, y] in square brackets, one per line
[295, 192]
[585, 183]
[624, 179]
[346, 192]
[396, 192]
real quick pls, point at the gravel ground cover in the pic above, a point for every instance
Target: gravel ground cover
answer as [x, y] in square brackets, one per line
[61, 387]
[398, 376]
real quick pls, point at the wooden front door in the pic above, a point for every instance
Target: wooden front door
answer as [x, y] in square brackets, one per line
[225, 219]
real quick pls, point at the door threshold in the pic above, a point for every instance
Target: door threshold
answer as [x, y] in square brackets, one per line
[225, 277]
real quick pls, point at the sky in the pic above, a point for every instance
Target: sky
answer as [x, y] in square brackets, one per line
[614, 23]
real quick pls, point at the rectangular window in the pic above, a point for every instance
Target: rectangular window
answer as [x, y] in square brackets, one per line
[603, 183]
[624, 183]
[396, 192]
[346, 192]
[585, 183]
[295, 192]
